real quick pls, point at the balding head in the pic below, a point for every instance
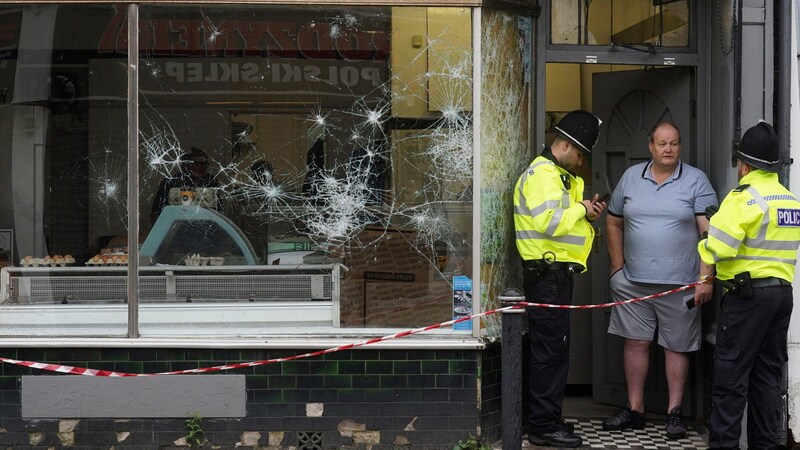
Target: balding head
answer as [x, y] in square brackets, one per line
[661, 125]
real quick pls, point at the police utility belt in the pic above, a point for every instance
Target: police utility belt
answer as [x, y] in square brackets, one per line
[540, 266]
[742, 285]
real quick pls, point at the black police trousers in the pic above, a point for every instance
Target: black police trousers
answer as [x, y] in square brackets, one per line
[548, 351]
[748, 367]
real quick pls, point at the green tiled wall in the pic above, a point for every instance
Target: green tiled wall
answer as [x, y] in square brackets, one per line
[421, 397]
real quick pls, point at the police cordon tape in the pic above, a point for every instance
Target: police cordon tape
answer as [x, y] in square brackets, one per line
[517, 305]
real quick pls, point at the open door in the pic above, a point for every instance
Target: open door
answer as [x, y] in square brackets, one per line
[629, 103]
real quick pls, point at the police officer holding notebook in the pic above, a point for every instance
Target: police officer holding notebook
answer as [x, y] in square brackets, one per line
[554, 237]
[753, 241]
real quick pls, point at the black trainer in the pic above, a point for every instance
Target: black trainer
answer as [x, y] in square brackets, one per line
[625, 418]
[676, 429]
[559, 438]
[566, 426]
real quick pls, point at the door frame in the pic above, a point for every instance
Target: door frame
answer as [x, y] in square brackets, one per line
[695, 55]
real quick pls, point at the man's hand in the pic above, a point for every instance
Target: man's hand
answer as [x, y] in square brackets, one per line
[703, 293]
[594, 208]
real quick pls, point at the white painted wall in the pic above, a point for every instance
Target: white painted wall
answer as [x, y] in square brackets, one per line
[794, 184]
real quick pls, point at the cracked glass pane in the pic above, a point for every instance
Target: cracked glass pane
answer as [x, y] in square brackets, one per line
[279, 143]
[505, 150]
[301, 170]
[64, 170]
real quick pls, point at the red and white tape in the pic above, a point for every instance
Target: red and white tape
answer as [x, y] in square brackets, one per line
[108, 373]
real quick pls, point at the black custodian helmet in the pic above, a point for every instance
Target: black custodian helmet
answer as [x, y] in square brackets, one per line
[580, 128]
[759, 147]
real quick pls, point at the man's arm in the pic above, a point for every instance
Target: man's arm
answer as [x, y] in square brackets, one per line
[703, 293]
[615, 230]
[543, 193]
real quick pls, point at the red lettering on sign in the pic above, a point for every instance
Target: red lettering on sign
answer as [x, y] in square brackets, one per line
[315, 41]
[250, 34]
[189, 37]
[380, 40]
[353, 44]
[160, 44]
[108, 41]
[283, 34]
[217, 38]
[179, 37]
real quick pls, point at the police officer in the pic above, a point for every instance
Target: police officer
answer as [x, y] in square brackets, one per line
[753, 241]
[554, 237]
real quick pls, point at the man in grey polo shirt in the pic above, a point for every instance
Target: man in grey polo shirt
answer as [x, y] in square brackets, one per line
[655, 219]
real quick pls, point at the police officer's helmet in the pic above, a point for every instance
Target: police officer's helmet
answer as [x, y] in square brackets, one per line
[759, 147]
[580, 128]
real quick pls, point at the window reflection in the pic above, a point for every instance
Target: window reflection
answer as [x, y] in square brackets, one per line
[276, 143]
[658, 23]
[332, 136]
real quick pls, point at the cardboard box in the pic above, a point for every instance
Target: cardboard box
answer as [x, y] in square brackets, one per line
[397, 304]
[388, 256]
[351, 303]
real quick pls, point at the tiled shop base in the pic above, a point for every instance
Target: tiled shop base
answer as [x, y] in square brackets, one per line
[652, 437]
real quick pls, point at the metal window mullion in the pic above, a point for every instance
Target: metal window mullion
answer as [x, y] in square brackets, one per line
[542, 34]
[702, 81]
[477, 65]
[133, 171]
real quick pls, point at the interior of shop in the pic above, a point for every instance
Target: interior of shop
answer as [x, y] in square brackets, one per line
[292, 136]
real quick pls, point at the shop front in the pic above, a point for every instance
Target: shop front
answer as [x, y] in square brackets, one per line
[192, 186]
[198, 185]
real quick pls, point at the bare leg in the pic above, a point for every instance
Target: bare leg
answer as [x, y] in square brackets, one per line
[637, 360]
[677, 368]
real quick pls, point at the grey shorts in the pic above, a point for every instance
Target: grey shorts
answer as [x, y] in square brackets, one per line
[678, 327]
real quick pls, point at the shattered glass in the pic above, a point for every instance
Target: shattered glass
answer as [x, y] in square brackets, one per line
[505, 150]
[275, 144]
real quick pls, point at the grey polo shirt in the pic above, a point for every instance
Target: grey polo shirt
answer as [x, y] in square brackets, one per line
[660, 240]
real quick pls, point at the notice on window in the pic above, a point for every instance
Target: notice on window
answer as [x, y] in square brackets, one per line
[462, 302]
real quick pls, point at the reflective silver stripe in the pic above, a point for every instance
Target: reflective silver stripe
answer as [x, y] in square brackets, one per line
[761, 242]
[549, 204]
[546, 161]
[554, 221]
[711, 252]
[759, 159]
[573, 140]
[523, 202]
[774, 245]
[767, 258]
[565, 203]
[762, 231]
[523, 209]
[531, 234]
[723, 237]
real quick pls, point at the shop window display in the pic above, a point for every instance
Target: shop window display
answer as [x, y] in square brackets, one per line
[327, 147]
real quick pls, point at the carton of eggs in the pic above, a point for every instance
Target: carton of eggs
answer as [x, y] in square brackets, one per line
[197, 260]
[107, 260]
[47, 261]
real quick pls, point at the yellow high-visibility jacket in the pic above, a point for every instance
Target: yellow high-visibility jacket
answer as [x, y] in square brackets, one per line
[756, 230]
[548, 215]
